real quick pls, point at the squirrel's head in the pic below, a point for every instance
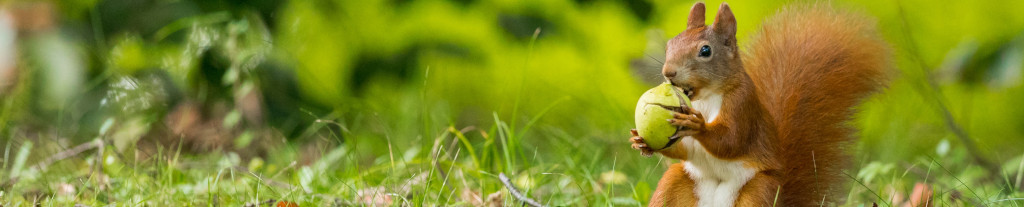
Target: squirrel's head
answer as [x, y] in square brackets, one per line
[699, 59]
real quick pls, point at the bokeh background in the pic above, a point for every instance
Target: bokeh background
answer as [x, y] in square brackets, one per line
[425, 102]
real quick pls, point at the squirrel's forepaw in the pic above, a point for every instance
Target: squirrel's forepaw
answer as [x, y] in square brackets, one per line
[689, 121]
[639, 144]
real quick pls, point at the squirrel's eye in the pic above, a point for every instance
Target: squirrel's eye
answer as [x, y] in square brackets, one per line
[705, 51]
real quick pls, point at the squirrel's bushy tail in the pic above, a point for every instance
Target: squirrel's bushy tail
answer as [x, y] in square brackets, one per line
[813, 64]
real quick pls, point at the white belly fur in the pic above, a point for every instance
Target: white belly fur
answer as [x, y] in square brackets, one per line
[717, 182]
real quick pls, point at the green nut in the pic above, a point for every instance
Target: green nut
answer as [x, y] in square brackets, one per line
[652, 114]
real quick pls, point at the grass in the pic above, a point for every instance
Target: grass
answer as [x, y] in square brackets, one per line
[412, 145]
[457, 167]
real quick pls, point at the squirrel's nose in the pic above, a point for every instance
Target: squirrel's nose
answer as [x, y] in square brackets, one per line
[669, 73]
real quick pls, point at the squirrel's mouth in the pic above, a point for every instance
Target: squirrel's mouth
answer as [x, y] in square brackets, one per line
[689, 91]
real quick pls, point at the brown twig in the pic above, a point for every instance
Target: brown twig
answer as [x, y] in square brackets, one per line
[42, 165]
[515, 192]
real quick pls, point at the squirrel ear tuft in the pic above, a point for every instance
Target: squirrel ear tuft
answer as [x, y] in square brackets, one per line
[696, 16]
[725, 22]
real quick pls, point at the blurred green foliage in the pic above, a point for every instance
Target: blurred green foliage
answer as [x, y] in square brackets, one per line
[538, 85]
[481, 57]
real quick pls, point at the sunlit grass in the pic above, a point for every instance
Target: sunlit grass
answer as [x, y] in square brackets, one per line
[458, 166]
[550, 110]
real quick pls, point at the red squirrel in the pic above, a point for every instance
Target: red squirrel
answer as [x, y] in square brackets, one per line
[768, 124]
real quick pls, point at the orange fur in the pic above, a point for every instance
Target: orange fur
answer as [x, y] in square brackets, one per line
[786, 101]
[818, 63]
[670, 193]
[760, 191]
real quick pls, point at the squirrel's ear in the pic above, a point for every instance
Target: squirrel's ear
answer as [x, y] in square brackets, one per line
[725, 22]
[696, 16]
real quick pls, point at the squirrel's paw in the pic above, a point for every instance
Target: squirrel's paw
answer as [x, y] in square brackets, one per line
[639, 144]
[689, 121]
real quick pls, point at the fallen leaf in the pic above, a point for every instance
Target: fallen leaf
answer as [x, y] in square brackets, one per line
[286, 204]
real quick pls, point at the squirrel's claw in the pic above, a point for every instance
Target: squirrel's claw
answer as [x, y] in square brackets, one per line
[639, 144]
[689, 121]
